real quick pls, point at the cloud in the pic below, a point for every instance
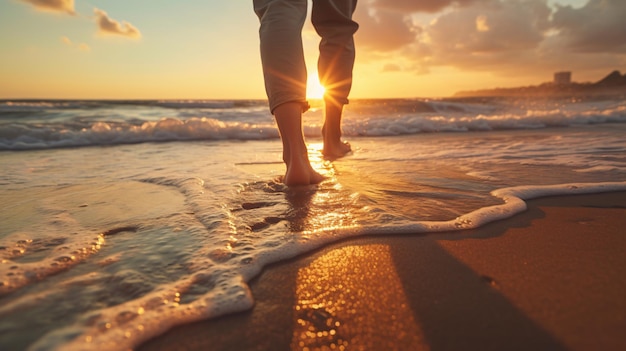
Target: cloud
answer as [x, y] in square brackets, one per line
[81, 46]
[66, 6]
[599, 26]
[387, 24]
[384, 30]
[392, 67]
[430, 6]
[109, 26]
[507, 37]
[501, 27]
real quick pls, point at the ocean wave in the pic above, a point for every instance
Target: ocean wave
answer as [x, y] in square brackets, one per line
[30, 105]
[19, 136]
[463, 122]
[29, 125]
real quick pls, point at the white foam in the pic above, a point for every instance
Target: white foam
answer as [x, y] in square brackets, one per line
[202, 218]
[28, 137]
[72, 250]
[76, 123]
[127, 325]
[601, 168]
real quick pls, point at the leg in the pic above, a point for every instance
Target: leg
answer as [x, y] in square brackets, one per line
[334, 147]
[282, 55]
[285, 76]
[299, 171]
[332, 20]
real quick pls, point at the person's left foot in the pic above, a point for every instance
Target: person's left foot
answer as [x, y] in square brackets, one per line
[301, 175]
[300, 172]
[336, 149]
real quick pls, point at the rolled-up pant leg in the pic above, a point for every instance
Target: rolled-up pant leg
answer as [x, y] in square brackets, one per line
[332, 20]
[282, 55]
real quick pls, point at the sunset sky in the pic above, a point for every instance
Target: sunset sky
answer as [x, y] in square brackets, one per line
[208, 49]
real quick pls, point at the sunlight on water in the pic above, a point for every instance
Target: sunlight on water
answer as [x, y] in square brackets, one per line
[103, 247]
[331, 206]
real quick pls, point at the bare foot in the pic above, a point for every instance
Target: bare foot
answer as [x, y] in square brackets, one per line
[331, 131]
[300, 172]
[295, 154]
[336, 148]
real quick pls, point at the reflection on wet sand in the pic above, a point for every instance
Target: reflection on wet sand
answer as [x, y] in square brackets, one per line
[324, 207]
[352, 298]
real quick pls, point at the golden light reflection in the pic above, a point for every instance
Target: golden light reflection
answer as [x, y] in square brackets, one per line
[352, 298]
[97, 244]
[328, 207]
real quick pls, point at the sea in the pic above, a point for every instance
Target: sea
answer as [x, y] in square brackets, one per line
[124, 218]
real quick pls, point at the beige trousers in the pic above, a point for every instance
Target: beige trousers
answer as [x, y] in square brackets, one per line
[282, 54]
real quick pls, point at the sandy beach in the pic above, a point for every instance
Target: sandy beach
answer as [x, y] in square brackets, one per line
[132, 225]
[163, 189]
[551, 278]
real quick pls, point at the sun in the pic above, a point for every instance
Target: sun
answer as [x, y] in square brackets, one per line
[314, 90]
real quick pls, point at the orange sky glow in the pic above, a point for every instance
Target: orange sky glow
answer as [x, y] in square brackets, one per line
[114, 49]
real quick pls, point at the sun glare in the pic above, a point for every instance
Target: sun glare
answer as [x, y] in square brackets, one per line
[314, 90]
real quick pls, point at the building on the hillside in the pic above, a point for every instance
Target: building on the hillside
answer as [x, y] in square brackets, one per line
[562, 78]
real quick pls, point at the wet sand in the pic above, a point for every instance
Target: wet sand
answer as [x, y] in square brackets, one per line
[551, 278]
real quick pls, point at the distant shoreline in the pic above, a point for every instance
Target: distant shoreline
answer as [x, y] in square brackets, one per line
[613, 84]
[570, 90]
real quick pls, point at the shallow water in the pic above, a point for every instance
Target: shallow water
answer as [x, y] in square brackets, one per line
[127, 239]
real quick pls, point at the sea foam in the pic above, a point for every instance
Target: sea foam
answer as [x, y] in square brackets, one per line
[127, 241]
[226, 273]
[28, 125]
